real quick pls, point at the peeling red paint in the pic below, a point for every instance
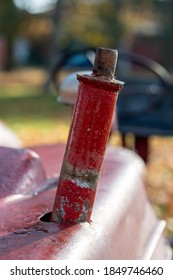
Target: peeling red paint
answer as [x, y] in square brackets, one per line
[88, 136]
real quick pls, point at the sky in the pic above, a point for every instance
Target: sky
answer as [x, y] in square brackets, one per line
[34, 6]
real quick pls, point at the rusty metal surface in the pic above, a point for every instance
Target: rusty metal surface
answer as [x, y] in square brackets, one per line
[105, 63]
[87, 140]
[84, 154]
[122, 220]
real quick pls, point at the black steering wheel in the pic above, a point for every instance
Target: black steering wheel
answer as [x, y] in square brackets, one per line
[146, 82]
[146, 96]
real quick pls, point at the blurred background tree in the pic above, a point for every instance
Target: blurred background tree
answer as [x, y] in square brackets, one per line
[9, 23]
[50, 27]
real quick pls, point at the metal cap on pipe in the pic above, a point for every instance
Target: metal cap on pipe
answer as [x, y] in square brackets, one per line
[105, 62]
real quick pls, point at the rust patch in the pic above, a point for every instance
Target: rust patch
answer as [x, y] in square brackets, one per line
[82, 178]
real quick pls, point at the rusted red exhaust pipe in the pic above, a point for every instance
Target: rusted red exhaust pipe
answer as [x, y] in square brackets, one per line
[88, 136]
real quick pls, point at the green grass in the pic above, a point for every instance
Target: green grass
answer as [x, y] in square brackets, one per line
[31, 113]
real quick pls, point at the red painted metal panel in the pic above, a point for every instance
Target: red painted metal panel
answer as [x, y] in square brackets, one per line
[121, 227]
[21, 171]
